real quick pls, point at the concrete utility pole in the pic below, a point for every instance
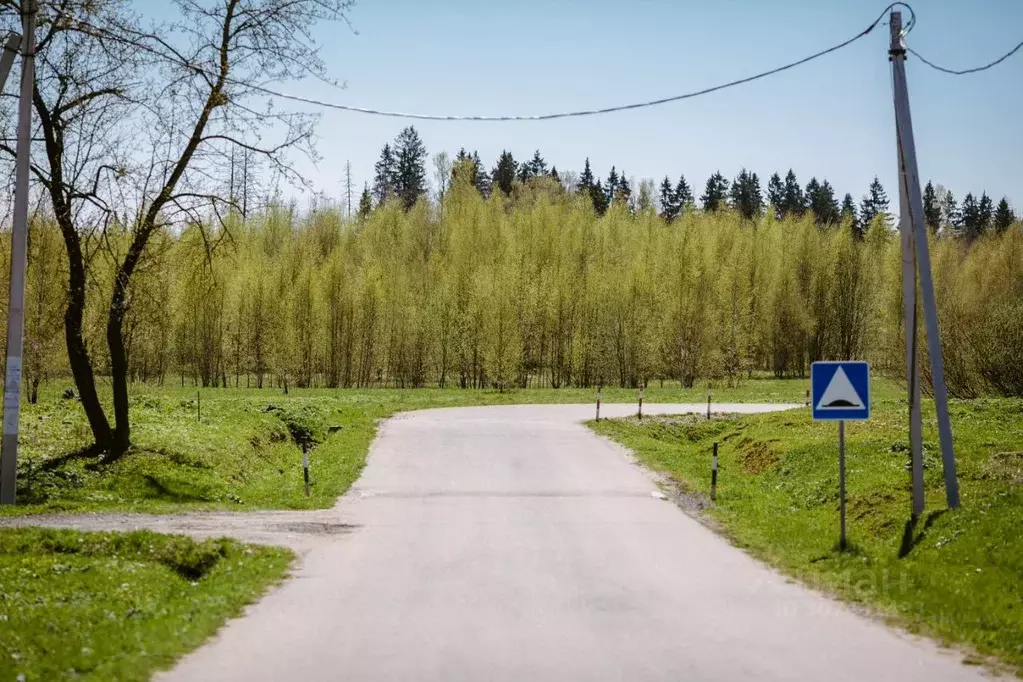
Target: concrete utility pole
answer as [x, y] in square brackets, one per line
[19, 255]
[916, 262]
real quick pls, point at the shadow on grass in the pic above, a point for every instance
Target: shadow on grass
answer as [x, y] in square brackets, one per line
[909, 540]
[157, 489]
[88, 452]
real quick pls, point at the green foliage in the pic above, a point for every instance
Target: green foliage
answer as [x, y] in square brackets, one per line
[241, 449]
[528, 290]
[106, 606]
[956, 575]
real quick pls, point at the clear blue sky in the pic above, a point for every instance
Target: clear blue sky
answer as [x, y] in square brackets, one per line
[832, 118]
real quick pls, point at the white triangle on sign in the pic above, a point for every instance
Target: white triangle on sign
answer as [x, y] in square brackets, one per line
[840, 394]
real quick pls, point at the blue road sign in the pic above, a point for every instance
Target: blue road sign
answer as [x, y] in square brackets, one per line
[840, 391]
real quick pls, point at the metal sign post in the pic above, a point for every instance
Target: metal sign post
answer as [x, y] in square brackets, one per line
[916, 262]
[19, 256]
[840, 391]
[841, 483]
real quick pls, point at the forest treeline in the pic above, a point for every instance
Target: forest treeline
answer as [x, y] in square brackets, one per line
[535, 289]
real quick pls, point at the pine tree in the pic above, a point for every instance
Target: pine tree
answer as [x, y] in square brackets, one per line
[848, 213]
[410, 176]
[669, 207]
[503, 174]
[715, 192]
[776, 194]
[932, 211]
[683, 195]
[365, 203]
[873, 205]
[1004, 217]
[385, 173]
[792, 197]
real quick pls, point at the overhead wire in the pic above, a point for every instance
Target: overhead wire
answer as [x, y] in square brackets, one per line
[585, 112]
[963, 72]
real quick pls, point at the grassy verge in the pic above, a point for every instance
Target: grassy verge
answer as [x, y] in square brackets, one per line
[109, 606]
[239, 449]
[955, 575]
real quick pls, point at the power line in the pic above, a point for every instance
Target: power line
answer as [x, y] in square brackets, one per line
[539, 117]
[595, 112]
[963, 72]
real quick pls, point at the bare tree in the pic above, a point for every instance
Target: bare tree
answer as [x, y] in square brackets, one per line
[148, 117]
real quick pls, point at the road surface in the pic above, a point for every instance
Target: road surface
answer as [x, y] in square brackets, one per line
[511, 543]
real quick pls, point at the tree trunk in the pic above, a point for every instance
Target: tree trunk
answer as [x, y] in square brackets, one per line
[78, 354]
[121, 440]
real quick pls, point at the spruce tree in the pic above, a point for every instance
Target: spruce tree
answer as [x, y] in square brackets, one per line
[612, 186]
[385, 173]
[599, 198]
[792, 201]
[365, 202]
[950, 213]
[820, 199]
[503, 175]
[969, 223]
[525, 173]
[985, 211]
[586, 180]
[537, 165]
[776, 194]
[683, 195]
[745, 194]
[715, 192]
[932, 211]
[623, 192]
[481, 180]
[410, 175]
[554, 174]
[1004, 217]
[848, 213]
[873, 205]
[669, 208]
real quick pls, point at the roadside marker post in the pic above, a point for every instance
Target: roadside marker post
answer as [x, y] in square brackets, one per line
[639, 414]
[599, 389]
[714, 475]
[305, 468]
[840, 391]
[708, 403]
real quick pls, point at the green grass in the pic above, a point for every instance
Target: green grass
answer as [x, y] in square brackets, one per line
[242, 453]
[111, 606]
[960, 575]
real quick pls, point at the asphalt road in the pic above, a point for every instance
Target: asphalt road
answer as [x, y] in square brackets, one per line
[510, 543]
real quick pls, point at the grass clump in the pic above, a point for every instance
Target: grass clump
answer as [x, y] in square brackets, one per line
[956, 575]
[118, 606]
[245, 449]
